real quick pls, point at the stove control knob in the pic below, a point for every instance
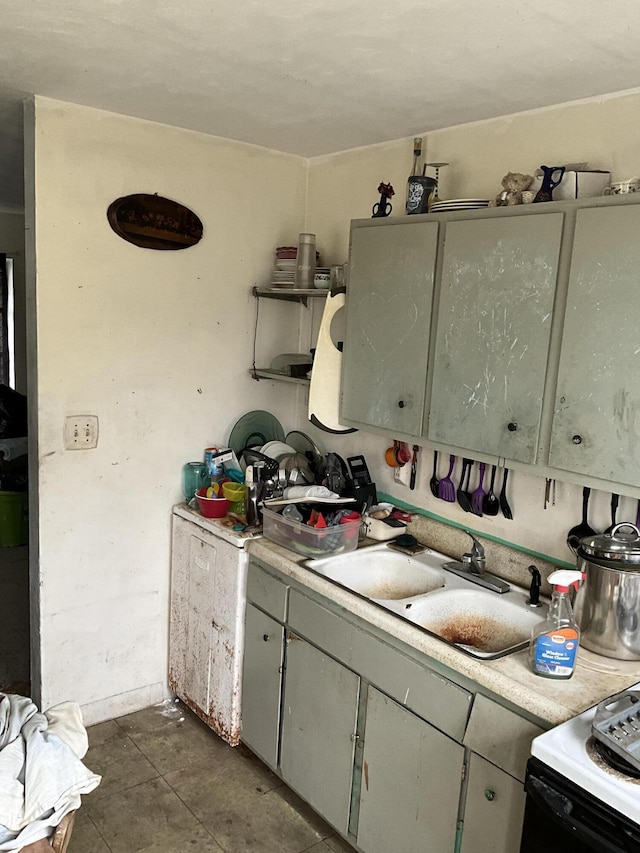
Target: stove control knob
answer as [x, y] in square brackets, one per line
[489, 794]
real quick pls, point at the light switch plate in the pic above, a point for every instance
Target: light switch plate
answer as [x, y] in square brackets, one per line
[80, 432]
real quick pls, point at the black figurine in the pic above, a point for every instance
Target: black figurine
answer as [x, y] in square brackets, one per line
[382, 207]
[545, 193]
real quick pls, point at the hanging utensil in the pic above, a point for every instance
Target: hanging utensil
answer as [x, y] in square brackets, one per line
[490, 503]
[584, 528]
[478, 495]
[446, 488]
[504, 503]
[638, 515]
[467, 488]
[615, 499]
[433, 482]
[463, 498]
[414, 469]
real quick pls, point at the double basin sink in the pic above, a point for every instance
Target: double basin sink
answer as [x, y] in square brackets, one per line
[421, 590]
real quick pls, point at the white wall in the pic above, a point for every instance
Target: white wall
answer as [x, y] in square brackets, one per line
[603, 133]
[158, 345]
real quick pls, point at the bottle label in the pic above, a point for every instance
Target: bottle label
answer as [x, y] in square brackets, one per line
[555, 652]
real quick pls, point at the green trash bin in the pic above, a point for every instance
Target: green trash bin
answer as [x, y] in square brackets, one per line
[14, 525]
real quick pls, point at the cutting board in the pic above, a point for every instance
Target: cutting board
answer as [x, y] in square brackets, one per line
[324, 391]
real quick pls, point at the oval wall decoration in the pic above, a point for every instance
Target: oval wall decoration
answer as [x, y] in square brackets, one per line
[154, 222]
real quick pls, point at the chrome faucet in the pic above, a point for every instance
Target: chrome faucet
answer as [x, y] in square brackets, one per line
[475, 559]
[472, 566]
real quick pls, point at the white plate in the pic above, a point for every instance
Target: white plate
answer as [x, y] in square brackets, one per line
[463, 201]
[272, 449]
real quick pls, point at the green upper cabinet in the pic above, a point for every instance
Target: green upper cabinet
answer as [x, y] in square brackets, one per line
[596, 424]
[494, 322]
[389, 299]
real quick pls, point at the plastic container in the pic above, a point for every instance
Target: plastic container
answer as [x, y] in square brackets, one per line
[195, 475]
[236, 494]
[310, 541]
[211, 507]
[554, 641]
[14, 527]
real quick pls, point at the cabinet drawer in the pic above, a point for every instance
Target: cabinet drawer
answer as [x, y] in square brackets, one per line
[500, 736]
[430, 695]
[267, 592]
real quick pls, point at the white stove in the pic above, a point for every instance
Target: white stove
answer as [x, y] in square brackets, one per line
[569, 750]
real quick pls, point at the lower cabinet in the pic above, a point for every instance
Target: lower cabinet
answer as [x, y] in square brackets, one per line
[494, 809]
[341, 715]
[319, 730]
[410, 786]
[263, 655]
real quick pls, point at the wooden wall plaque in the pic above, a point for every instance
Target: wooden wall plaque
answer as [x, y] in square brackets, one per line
[154, 222]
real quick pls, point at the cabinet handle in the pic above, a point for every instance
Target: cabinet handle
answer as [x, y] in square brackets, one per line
[577, 439]
[401, 404]
[489, 794]
[355, 738]
[512, 427]
[266, 637]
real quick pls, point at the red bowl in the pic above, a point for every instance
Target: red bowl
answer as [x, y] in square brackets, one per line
[211, 507]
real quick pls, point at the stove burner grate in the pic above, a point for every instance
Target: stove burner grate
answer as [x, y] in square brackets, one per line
[614, 760]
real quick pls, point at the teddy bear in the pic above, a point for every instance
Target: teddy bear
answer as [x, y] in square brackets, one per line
[514, 184]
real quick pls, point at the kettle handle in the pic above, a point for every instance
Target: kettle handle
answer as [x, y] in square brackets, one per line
[573, 542]
[617, 527]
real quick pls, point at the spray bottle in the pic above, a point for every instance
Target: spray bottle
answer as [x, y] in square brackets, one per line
[554, 642]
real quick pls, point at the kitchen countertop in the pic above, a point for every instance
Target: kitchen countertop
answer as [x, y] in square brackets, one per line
[595, 677]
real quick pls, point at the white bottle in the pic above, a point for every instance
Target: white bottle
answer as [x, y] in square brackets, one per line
[554, 641]
[305, 262]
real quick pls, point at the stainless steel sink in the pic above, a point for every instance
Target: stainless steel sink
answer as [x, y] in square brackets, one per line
[419, 589]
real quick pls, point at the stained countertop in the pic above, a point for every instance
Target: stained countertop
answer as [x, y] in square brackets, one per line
[551, 701]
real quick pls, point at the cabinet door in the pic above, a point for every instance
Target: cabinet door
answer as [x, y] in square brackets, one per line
[206, 626]
[384, 366]
[494, 321]
[494, 810]
[596, 426]
[318, 730]
[261, 679]
[411, 776]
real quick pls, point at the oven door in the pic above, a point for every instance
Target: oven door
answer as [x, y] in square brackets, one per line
[563, 818]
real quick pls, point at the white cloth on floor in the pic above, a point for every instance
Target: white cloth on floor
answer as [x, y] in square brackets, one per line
[41, 774]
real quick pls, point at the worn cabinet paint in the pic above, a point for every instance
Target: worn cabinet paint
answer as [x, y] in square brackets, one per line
[410, 789]
[494, 809]
[208, 578]
[318, 730]
[389, 300]
[262, 675]
[596, 423]
[494, 321]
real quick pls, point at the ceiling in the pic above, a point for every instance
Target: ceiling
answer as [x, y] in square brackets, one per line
[310, 77]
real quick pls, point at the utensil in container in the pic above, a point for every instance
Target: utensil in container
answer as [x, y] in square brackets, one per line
[434, 482]
[446, 488]
[478, 495]
[584, 528]
[607, 604]
[490, 503]
[504, 503]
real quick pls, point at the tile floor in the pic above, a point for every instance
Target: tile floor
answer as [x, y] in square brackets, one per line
[170, 785]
